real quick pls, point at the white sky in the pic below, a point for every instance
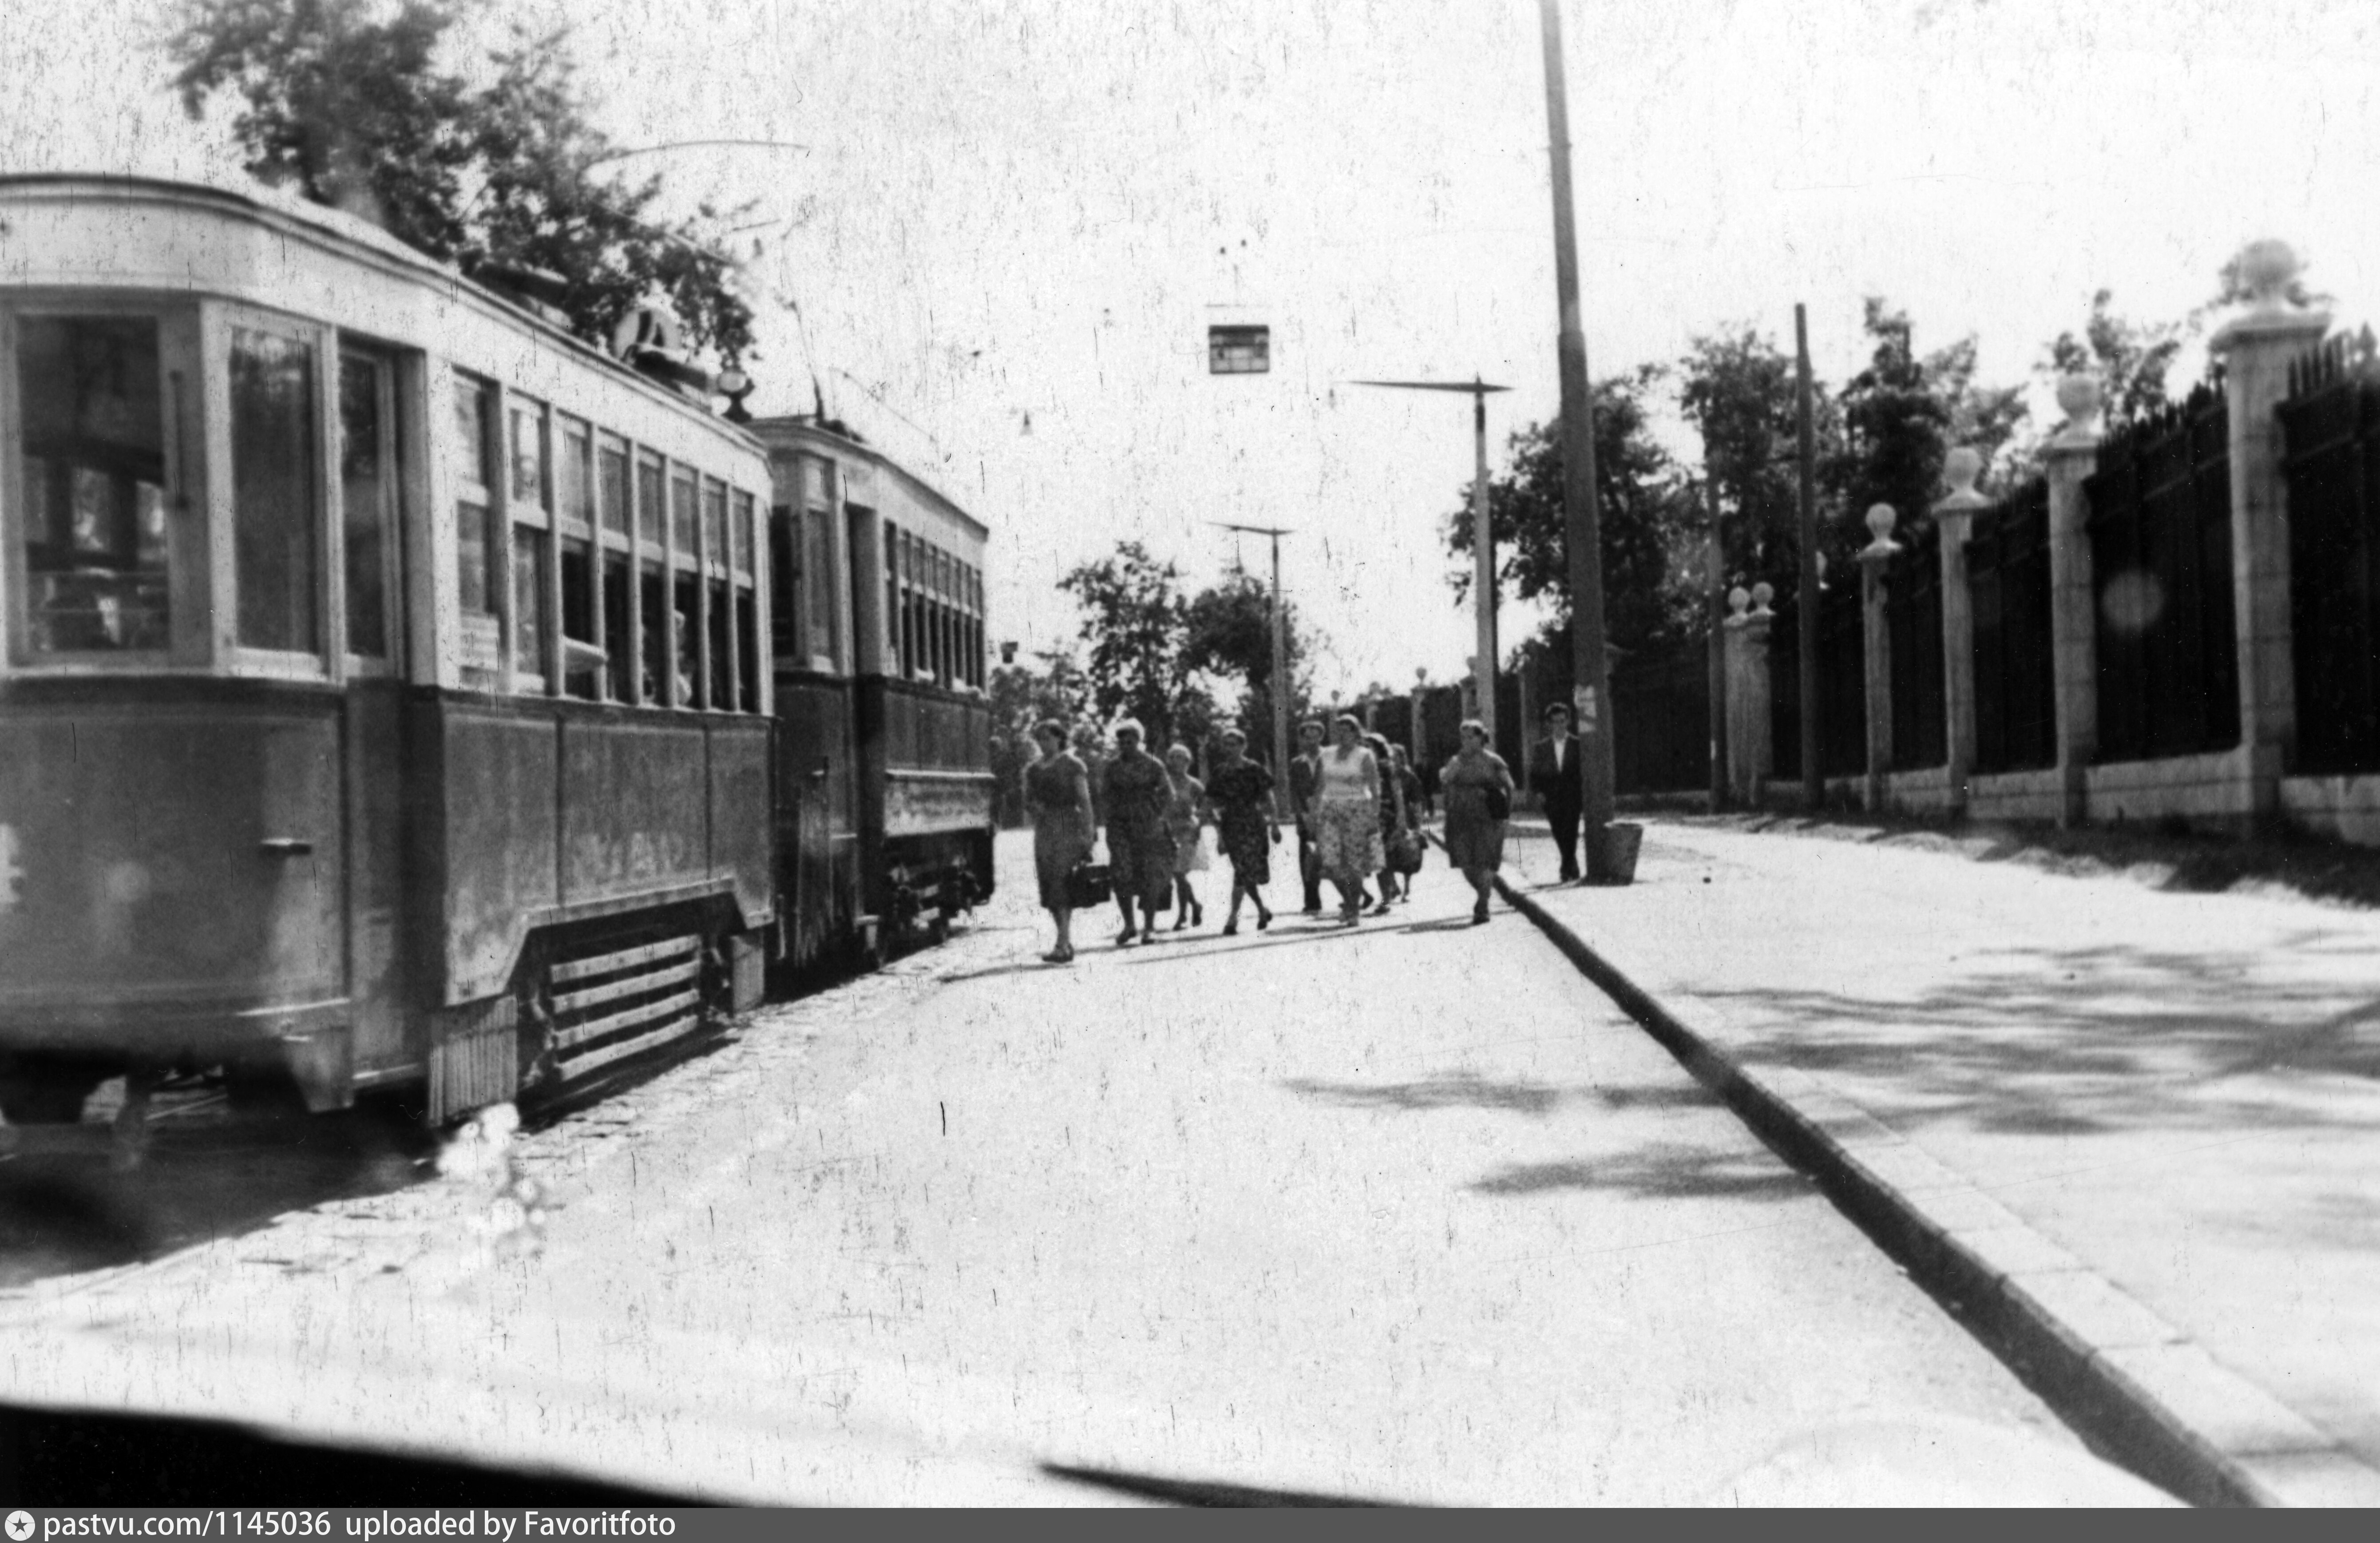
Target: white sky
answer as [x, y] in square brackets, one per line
[1028, 209]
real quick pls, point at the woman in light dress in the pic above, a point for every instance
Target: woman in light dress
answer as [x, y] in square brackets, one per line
[1347, 813]
[1185, 817]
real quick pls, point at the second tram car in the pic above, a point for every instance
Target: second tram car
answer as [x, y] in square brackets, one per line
[391, 684]
[884, 782]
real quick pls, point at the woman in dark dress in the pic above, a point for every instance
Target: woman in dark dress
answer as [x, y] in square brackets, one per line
[1140, 848]
[1058, 795]
[1394, 818]
[1241, 792]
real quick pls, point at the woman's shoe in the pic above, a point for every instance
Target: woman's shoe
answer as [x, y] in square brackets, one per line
[1232, 928]
[1197, 915]
[1124, 938]
[1381, 909]
[1479, 915]
[1066, 954]
[1181, 920]
[1264, 918]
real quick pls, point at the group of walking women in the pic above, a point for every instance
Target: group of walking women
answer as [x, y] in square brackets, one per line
[1358, 808]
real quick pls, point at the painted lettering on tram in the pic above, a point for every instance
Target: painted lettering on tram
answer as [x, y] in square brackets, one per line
[10, 874]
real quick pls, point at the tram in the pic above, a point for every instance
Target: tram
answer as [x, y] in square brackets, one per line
[391, 690]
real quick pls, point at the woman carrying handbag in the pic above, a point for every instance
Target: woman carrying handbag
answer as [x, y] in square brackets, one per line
[1478, 800]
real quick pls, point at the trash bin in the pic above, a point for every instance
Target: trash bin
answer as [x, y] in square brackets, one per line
[1621, 841]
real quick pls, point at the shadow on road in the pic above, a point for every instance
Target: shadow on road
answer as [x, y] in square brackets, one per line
[1662, 1170]
[2078, 1041]
[64, 1213]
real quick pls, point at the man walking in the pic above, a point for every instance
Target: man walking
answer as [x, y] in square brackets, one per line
[1305, 784]
[1554, 772]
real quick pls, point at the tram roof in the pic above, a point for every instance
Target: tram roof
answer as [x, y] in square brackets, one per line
[342, 229]
[805, 427]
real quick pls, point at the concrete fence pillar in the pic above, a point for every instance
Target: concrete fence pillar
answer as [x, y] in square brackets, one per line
[2256, 347]
[1955, 516]
[1749, 752]
[2071, 455]
[1876, 638]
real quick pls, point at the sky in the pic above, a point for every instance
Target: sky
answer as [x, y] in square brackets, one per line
[1009, 222]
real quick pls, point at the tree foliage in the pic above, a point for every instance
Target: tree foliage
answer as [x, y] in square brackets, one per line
[1738, 389]
[2131, 358]
[1644, 512]
[347, 103]
[1164, 658]
[1901, 416]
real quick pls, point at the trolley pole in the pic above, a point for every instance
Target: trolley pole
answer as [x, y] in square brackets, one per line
[1813, 780]
[1280, 671]
[1583, 522]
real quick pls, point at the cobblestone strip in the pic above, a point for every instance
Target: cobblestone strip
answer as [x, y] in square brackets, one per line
[2173, 1412]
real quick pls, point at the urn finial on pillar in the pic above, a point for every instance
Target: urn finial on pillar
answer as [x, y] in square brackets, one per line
[1762, 593]
[2077, 398]
[1959, 469]
[1738, 600]
[1881, 521]
[2268, 268]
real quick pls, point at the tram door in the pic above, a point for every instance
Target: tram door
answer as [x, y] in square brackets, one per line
[372, 475]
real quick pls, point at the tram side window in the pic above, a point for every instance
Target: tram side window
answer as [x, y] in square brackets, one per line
[784, 619]
[530, 476]
[817, 574]
[274, 507]
[720, 617]
[367, 480]
[584, 661]
[747, 606]
[93, 427]
[475, 538]
[653, 590]
[893, 666]
[685, 527]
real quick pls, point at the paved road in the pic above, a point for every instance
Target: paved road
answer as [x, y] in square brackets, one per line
[1408, 1212]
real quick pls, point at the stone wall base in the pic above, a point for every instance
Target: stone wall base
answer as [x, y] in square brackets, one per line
[2207, 792]
[2346, 808]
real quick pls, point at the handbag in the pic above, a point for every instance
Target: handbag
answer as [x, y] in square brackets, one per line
[1090, 883]
[1500, 803]
[1405, 852]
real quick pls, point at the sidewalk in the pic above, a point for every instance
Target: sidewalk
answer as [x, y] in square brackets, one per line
[2133, 1134]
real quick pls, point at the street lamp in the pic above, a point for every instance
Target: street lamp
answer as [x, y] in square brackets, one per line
[1279, 666]
[1483, 539]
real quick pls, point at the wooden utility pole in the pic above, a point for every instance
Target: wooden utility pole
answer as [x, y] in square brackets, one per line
[1813, 780]
[1583, 524]
[1280, 668]
[1715, 575]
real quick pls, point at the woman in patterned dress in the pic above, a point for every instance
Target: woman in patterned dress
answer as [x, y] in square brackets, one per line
[1241, 794]
[1058, 795]
[1185, 817]
[1348, 811]
[1474, 836]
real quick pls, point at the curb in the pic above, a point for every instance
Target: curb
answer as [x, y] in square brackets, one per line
[2141, 1388]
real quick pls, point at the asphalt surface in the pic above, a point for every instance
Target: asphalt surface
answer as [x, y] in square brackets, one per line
[1407, 1212]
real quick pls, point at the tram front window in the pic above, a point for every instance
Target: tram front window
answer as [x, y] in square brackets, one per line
[93, 427]
[275, 512]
